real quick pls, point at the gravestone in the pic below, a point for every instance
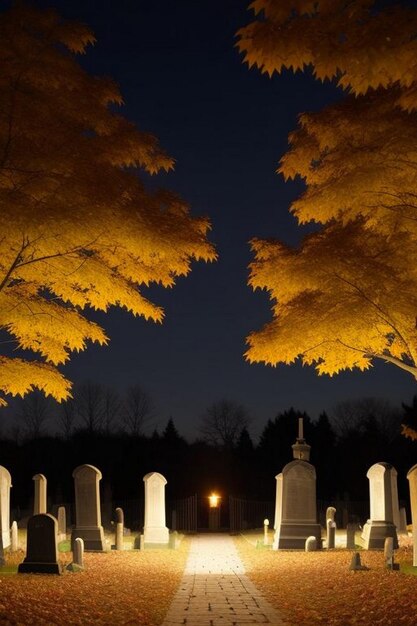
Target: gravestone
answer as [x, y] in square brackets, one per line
[403, 522]
[14, 535]
[266, 528]
[155, 531]
[383, 506]
[78, 555]
[87, 508]
[412, 481]
[389, 554]
[310, 544]
[5, 485]
[295, 506]
[350, 536]
[42, 546]
[330, 514]
[119, 545]
[330, 527]
[62, 524]
[39, 501]
[77, 564]
[356, 564]
[331, 534]
[278, 501]
[297, 513]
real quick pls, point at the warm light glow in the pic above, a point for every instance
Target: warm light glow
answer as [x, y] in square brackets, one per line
[214, 501]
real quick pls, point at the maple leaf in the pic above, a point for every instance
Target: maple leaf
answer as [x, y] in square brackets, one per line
[78, 229]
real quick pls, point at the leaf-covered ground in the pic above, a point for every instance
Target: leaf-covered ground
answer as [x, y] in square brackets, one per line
[318, 587]
[130, 587]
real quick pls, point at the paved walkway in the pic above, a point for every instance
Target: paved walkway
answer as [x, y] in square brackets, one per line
[214, 590]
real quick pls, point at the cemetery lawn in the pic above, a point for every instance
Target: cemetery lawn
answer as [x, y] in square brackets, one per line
[317, 587]
[129, 587]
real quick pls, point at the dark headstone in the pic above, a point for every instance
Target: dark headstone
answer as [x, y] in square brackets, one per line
[356, 564]
[42, 546]
[350, 536]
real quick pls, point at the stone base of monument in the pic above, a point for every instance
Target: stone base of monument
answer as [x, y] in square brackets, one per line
[375, 532]
[291, 536]
[93, 538]
[155, 537]
[28, 567]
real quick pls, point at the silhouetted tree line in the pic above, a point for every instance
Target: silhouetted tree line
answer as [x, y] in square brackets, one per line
[225, 458]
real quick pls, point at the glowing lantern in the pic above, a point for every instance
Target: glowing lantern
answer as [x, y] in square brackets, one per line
[214, 501]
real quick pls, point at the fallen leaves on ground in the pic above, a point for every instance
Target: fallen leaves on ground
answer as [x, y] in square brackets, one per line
[318, 587]
[130, 588]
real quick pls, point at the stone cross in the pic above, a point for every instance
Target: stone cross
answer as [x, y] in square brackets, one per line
[155, 530]
[39, 502]
[87, 508]
[42, 546]
[5, 485]
[300, 429]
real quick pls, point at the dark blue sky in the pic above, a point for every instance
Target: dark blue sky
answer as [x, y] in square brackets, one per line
[183, 80]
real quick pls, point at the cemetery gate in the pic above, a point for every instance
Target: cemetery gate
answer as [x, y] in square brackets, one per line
[245, 514]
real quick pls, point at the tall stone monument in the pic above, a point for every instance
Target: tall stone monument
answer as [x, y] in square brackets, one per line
[295, 507]
[5, 485]
[384, 508]
[39, 501]
[87, 508]
[155, 531]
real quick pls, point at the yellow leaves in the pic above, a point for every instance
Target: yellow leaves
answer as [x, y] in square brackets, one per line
[18, 377]
[293, 582]
[409, 432]
[344, 297]
[78, 230]
[361, 48]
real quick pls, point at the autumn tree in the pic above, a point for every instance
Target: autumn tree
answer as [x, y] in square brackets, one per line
[78, 228]
[67, 417]
[33, 412]
[138, 409]
[346, 295]
[89, 401]
[222, 423]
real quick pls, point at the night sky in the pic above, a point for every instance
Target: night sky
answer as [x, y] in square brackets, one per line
[183, 80]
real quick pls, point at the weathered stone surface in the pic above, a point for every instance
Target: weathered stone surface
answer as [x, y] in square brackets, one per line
[383, 506]
[155, 530]
[87, 508]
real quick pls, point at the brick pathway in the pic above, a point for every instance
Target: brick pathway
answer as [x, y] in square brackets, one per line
[214, 590]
